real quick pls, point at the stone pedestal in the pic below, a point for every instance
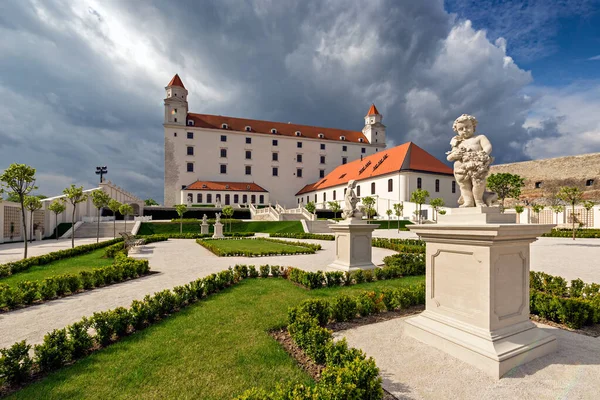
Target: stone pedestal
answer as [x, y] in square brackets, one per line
[204, 229]
[477, 290]
[218, 230]
[38, 235]
[352, 245]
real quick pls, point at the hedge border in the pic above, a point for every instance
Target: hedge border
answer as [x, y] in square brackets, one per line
[310, 248]
[579, 233]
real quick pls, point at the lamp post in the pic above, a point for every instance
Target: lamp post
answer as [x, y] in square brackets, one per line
[101, 171]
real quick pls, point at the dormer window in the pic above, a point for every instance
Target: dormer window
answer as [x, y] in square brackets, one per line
[321, 136]
[224, 126]
[361, 140]
[248, 128]
[298, 133]
[226, 186]
[342, 137]
[204, 186]
[190, 122]
[538, 185]
[273, 130]
[247, 187]
[589, 182]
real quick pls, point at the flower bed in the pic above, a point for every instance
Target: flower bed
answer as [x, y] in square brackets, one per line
[259, 247]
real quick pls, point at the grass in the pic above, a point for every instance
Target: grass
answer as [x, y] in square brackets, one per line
[215, 349]
[151, 228]
[255, 246]
[72, 265]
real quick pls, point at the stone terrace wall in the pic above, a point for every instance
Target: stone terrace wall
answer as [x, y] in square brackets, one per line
[554, 173]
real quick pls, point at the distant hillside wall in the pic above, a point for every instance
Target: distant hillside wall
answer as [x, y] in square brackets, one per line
[553, 173]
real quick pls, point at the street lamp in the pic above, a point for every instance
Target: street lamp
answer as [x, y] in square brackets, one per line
[101, 171]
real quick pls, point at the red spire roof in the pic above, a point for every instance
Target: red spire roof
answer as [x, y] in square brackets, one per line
[176, 81]
[373, 110]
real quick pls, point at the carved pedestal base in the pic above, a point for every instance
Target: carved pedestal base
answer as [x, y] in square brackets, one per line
[204, 229]
[477, 291]
[218, 230]
[352, 245]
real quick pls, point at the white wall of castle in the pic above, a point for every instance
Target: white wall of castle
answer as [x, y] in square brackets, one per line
[207, 160]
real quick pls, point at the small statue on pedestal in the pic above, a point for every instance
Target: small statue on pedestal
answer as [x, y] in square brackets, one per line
[350, 201]
[204, 220]
[217, 218]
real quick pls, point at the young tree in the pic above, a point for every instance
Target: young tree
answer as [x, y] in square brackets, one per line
[388, 212]
[57, 207]
[368, 202]
[20, 180]
[181, 209]
[310, 207]
[32, 204]
[228, 213]
[419, 197]
[125, 210]
[436, 204]
[519, 210]
[114, 206]
[557, 208]
[335, 207]
[74, 195]
[399, 212]
[151, 202]
[588, 205]
[100, 199]
[505, 185]
[537, 208]
[572, 196]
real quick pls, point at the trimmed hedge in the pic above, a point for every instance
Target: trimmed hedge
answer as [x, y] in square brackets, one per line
[166, 236]
[302, 236]
[568, 233]
[400, 245]
[27, 292]
[574, 305]
[348, 373]
[22, 265]
[308, 248]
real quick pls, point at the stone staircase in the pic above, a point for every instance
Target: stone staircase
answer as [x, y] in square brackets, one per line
[88, 229]
[318, 226]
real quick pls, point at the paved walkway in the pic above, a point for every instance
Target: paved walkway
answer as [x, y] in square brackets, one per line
[413, 370]
[14, 251]
[178, 262]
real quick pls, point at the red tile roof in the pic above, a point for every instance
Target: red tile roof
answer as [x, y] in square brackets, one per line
[405, 157]
[373, 110]
[258, 126]
[225, 186]
[176, 81]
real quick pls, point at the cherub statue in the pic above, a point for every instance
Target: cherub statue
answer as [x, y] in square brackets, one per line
[350, 201]
[471, 156]
[204, 219]
[217, 218]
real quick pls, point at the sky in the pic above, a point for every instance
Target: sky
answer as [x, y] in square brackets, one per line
[83, 81]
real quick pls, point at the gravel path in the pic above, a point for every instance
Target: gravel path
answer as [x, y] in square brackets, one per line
[413, 370]
[178, 262]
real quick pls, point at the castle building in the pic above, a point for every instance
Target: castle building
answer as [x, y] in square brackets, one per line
[230, 158]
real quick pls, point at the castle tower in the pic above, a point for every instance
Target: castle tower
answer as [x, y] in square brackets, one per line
[374, 130]
[176, 105]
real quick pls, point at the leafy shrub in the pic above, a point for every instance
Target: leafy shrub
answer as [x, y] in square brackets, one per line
[15, 363]
[334, 278]
[343, 308]
[54, 352]
[368, 276]
[103, 323]
[275, 271]
[30, 291]
[48, 288]
[80, 339]
[62, 285]
[406, 264]
[302, 236]
[12, 297]
[87, 280]
[312, 280]
[121, 320]
[359, 276]
[252, 272]
[140, 314]
[73, 283]
[316, 308]
[355, 379]
[367, 303]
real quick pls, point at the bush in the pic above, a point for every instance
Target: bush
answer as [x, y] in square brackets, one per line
[359, 276]
[313, 280]
[140, 314]
[334, 278]
[54, 352]
[253, 273]
[30, 291]
[343, 308]
[103, 323]
[87, 279]
[316, 308]
[302, 236]
[406, 264]
[275, 271]
[264, 271]
[368, 303]
[48, 288]
[15, 363]
[81, 341]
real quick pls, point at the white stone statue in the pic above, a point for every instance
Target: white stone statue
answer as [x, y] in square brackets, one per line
[204, 220]
[350, 201]
[472, 160]
[217, 218]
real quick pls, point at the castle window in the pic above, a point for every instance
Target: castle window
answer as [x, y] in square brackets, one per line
[223, 168]
[344, 148]
[453, 186]
[324, 197]
[261, 199]
[190, 151]
[361, 140]
[175, 119]
[299, 172]
[322, 146]
[190, 198]
[236, 199]
[363, 150]
[248, 155]
[342, 137]
[224, 126]
[248, 140]
[307, 199]
[372, 187]
[253, 199]
[358, 191]
[298, 133]
[315, 197]
[248, 170]
[275, 143]
[299, 145]
[589, 182]
[244, 198]
[190, 167]
[321, 136]
[334, 194]
[174, 134]
[538, 185]
[275, 157]
[199, 198]
[227, 199]
[209, 198]
[344, 160]
[190, 135]
[248, 129]
[273, 130]
[223, 138]
[390, 185]
[299, 157]
[190, 122]
[182, 187]
[322, 159]
[275, 171]
[437, 185]
[419, 183]
[321, 173]
[223, 153]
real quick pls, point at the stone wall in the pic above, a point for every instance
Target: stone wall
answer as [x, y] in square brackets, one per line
[553, 173]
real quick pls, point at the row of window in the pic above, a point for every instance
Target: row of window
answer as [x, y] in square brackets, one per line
[275, 142]
[236, 198]
[248, 170]
[588, 182]
[437, 185]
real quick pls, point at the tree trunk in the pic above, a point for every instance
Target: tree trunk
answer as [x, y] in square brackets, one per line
[180, 225]
[125, 219]
[24, 226]
[56, 227]
[114, 224]
[73, 228]
[573, 219]
[31, 225]
[98, 227]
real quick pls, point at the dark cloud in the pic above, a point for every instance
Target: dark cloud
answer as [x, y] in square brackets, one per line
[86, 81]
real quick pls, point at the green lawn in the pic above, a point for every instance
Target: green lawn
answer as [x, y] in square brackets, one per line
[73, 265]
[255, 246]
[214, 349]
[151, 228]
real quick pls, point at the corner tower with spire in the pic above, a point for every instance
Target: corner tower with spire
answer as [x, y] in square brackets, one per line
[176, 105]
[374, 130]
